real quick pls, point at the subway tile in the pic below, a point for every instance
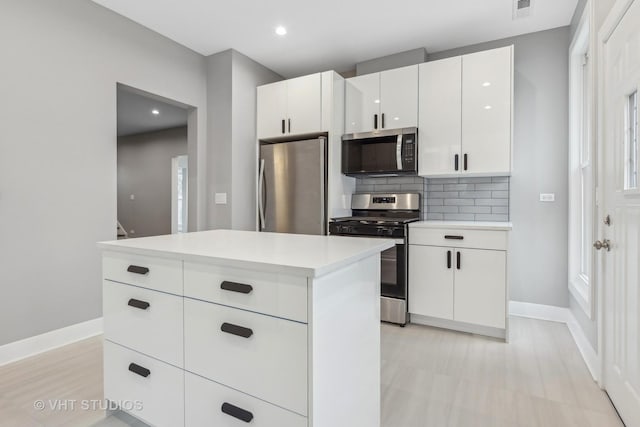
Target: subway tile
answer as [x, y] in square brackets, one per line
[435, 216]
[435, 202]
[412, 187]
[502, 210]
[479, 180]
[374, 181]
[442, 180]
[435, 187]
[459, 187]
[474, 195]
[405, 180]
[498, 186]
[387, 188]
[459, 217]
[500, 179]
[500, 194]
[364, 188]
[475, 209]
[458, 202]
[443, 195]
[492, 218]
[492, 202]
[442, 209]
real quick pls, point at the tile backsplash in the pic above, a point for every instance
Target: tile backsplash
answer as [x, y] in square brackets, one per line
[450, 199]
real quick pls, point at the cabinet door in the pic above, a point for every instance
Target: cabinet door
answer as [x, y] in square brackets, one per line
[486, 111]
[304, 104]
[440, 105]
[272, 110]
[480, 287]
[431, 281]
[362, 100]
[399, 98]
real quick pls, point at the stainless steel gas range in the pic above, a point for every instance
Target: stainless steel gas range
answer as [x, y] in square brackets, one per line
[385, 215]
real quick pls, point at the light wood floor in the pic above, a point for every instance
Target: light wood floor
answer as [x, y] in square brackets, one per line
[430, 377]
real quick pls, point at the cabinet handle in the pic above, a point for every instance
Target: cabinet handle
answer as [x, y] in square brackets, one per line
[241, 288]
[456, 162]
[232, 329]
[382, 120]
[138, 270]
[289, 121]
[448, 237]
[458, 263]
[449, 259]
[375, 121]
[283, 131]
[137, 369]
[466, 162]
[142, 305]
[236, 412]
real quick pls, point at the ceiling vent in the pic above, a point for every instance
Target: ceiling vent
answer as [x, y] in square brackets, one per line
[522, 8]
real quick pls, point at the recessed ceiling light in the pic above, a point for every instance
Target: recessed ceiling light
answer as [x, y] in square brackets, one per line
[486, 84]
[488, 107]
[155, 112]
[281, 31]
[377, 101]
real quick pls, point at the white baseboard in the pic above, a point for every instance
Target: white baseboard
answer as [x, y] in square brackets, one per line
[48, 341]
[561, 315]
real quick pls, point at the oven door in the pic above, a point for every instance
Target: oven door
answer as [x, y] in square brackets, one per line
[393, 272]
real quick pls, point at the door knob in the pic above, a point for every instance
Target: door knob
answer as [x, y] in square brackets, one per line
[604, 244]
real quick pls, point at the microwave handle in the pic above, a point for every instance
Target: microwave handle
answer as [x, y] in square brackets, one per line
[399, 152]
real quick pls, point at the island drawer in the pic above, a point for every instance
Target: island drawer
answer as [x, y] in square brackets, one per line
[480, 239]
[274, 294]
[260, 355]
[208, 403]
[148, 321]
[144, 387]
[149, 272]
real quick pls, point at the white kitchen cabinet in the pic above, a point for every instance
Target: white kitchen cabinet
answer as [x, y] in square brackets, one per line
[458, 277]
[385, 100]
[486, 111]
[290, 107]
[466, 112]
[440, 122]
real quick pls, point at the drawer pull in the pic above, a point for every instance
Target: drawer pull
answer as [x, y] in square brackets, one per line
[236, 287]
[449, 259]
[236, 412]
[142, 305]
[454, 237]
[138, 270]
[232, 329]
[137, 369]
[458, 261]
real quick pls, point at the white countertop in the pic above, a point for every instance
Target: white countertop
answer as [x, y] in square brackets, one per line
[312, 256]
[464, 225]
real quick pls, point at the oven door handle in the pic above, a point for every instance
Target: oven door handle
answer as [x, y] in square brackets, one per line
[399, 152]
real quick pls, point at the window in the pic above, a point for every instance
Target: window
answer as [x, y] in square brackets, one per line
[631, 168]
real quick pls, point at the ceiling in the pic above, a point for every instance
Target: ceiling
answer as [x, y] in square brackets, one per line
[336, 34]
[135, 116]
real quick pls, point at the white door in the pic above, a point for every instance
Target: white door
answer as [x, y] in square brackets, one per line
[272, 110]
[362, 103]
[431, 281]
[480, 287]
[618, 147]
[440, 105]
[486, 111]
[304, 105]
[399, 98]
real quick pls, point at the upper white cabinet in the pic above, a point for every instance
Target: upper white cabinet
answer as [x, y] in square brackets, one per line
[465, 120]
[385, 100]
[290, 107]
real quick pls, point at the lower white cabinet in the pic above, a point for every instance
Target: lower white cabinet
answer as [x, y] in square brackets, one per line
[208, 403]
[458, 278]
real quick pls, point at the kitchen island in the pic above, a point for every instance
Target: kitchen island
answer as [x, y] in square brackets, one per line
[227, 327]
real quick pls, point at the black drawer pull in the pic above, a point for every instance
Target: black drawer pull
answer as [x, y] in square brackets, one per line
[454, 237]
[232, 329]
[236, 412]
[456, 162]
[448, 259]
[138, 270]
[236, 287]
[375, 121]
[142, 305]
[137, 369]
[283, 126]
[458, 263]
[466, 162]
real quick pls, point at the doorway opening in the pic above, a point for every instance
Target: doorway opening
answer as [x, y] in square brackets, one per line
[155, 151]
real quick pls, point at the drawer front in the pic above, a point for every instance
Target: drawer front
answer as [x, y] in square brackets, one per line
[149, 272]
[260, 355]
[278, 295]
[157, 399]
[147, 321]
[480, 239]
[204, 402]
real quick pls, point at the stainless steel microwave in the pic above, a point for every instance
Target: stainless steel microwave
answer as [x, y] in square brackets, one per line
[392, 152]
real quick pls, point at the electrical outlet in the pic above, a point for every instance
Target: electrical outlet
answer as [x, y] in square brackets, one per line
[547, 197]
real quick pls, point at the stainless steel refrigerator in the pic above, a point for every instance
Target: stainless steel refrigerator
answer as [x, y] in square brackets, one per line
[292, 187]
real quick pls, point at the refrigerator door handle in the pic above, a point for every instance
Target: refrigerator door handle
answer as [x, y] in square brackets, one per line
[260, 195]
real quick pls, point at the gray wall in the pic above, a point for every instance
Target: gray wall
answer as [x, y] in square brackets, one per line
[538, 261]
[60, 64]
[231, 96]
[575, 20]
[397, 60]
[144, 170]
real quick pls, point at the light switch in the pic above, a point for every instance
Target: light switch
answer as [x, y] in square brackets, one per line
[547, 197]
[221, 198]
